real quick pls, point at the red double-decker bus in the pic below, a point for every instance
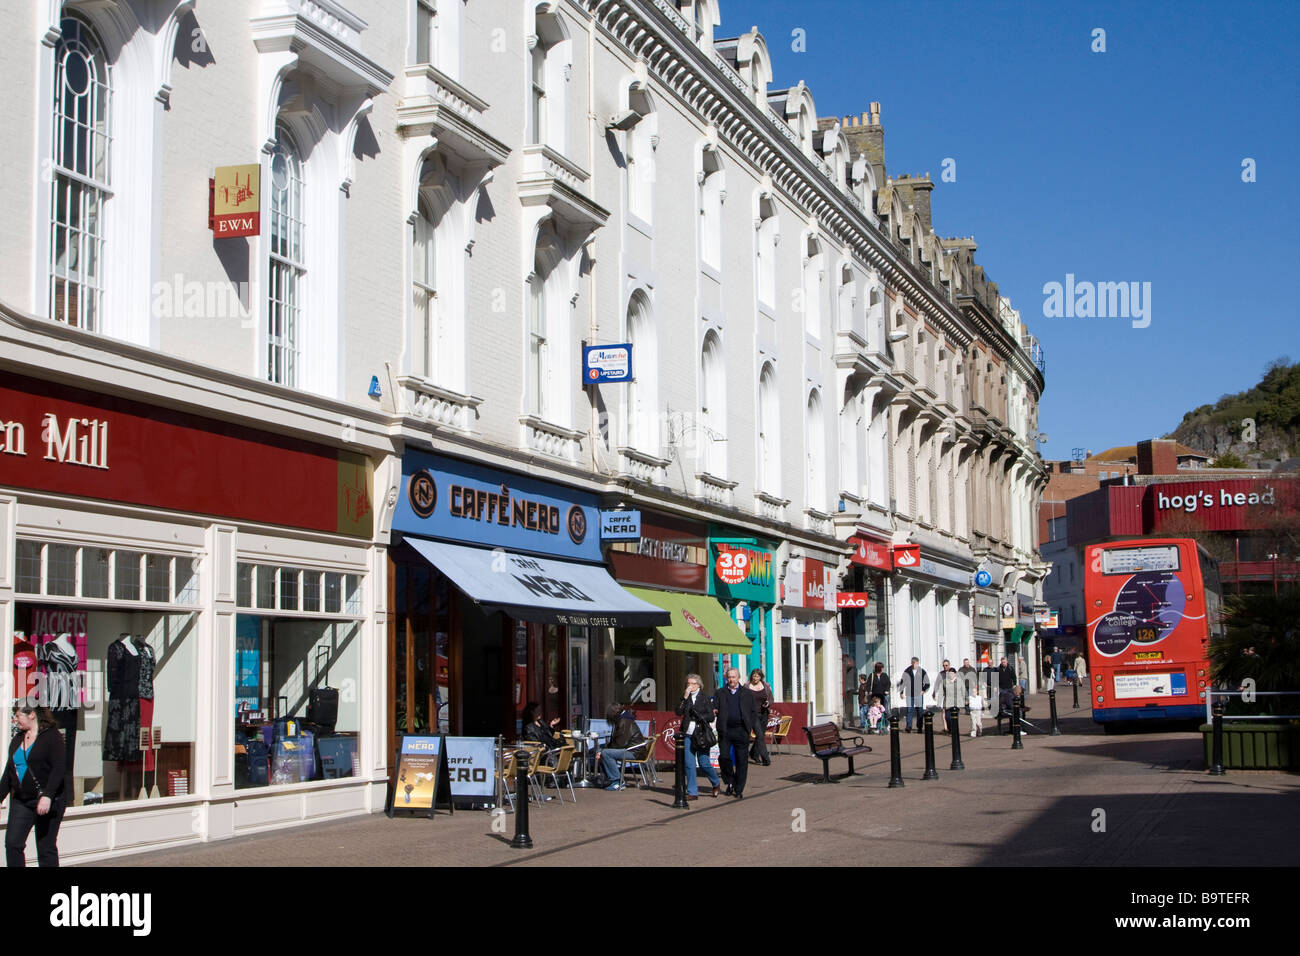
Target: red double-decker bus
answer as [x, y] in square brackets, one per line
[1153, 606]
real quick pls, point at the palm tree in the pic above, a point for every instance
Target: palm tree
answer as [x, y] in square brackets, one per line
[1261, 643]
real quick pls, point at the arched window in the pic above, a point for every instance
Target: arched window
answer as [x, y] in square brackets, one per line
[643, 390]
[711, 190]
[641, 140]
[539, 370]
[846, 297]
[765, 253]
[548, 56]
[713, 410]
[424, 294]
[769, 433]
[815, 454]
[812, 287]
[81, 188]
[287, 271]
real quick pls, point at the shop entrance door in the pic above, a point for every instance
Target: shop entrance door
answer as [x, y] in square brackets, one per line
[805, 677]
[579, 678]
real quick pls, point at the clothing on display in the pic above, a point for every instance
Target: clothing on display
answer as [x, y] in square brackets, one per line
[130, 677]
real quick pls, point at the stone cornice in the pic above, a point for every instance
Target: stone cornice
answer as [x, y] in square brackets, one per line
[652, 30]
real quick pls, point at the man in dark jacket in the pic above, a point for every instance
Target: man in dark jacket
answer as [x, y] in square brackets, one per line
[622, 744]
[1006, 683]
[737, 719]
[912, 687]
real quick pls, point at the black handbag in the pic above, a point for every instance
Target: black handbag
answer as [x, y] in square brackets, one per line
[705, 738]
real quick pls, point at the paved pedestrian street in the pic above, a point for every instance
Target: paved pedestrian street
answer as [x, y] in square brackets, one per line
[1083, 799]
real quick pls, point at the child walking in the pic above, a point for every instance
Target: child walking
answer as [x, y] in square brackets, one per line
[976, 703]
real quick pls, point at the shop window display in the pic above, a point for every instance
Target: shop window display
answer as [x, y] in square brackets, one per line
[634, 666]
[118, 674]
[297, 710]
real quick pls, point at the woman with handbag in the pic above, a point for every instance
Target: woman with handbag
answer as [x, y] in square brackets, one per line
[763, 698]
[696, 711]
[34, 776]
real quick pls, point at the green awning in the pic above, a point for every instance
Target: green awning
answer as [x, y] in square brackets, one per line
[1017, 634]
[699, 623]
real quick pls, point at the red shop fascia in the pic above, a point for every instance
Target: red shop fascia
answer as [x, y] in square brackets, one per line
[74, 442]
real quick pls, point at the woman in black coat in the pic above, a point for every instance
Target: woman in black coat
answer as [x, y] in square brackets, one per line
[34, 777]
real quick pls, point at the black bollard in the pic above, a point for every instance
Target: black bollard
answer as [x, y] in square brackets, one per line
[930, 772]
[955, 728]
[1051, 699]
[679, 764]
[1216, 768]
[1075, 682]
[895, 757]
[522, 840]
[1016, 703]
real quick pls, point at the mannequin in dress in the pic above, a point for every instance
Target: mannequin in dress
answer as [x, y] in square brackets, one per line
[145, 651]
[122, 730]
[59, 662]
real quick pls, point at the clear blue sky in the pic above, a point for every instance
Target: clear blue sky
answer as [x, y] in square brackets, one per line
[1117, 166]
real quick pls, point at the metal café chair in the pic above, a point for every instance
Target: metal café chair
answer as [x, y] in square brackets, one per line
[561, 769]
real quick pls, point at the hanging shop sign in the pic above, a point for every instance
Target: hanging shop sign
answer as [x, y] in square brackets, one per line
[742, 572]
[816, 588]
[606, 363]
[670, 553]
[873, 554]
[235, 201]
[982, 578]
[852, 599]
[1047, 619]
[456, 500]
[620, 525]
[907, 556]
[76, 442]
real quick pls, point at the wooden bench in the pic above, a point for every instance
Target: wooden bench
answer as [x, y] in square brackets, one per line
[825, 742]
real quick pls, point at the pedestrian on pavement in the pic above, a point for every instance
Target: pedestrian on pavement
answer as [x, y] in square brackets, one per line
[878, 685]
[1022, 671]
[975, 704]
[948, 692]
[1058, 662]
[696, 712]
[912, 687]
[737, 719]
[625, 737]
[34, 777]
[864, 701]
[1006, 682]
[969, 678]
[763, 698]
[1047, 668]
[1080, 667]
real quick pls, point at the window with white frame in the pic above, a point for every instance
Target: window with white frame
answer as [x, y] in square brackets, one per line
[765, 253]
[286, 270]
[641, 140]
[109, 574]
[711, 189]
[815, 453]
[426, 31]
[548, 64]
[713, 411]
[643, 390]
[769, 433]
[81, 189]
[812, 287]
[846, 298]
[539, 372]
[424, 294]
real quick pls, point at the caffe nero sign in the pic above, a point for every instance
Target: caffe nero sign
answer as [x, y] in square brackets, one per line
[454, 500]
